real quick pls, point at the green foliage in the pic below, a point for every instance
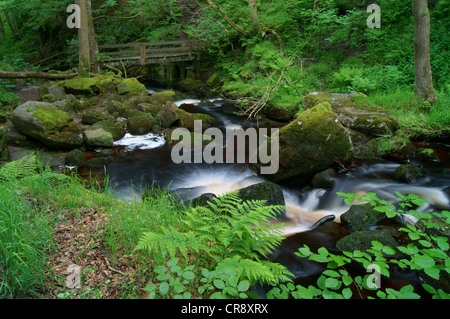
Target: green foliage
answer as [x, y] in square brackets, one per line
[227, 239]
[8, 101]
[426, 251]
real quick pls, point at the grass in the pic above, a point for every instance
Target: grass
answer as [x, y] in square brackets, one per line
[414, 117]
[44, 226]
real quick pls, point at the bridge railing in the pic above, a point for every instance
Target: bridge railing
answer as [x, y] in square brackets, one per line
[149, 52]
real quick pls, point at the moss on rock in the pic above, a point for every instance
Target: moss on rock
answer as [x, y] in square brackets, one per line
[310, 144]
[131, 86]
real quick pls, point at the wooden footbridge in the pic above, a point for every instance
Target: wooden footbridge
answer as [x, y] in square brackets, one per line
[143, 53]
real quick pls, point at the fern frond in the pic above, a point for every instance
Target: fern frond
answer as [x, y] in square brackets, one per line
[23, 167]
[255, 271]
[171, 240]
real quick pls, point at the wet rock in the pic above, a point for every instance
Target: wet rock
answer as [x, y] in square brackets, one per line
[47, 124]
[408, 173]
[131, 86]
[203, 200]
[82, 86]
[361, 217]
[352, 113]
[168, 115]
[428, 154]
[74, 158]
[115, 127]
[140, 124]
[98, 138]
[325, 179]
[192, 86]
[92, 116]
[268, 191]
[163, 97]
[308, 145]
[277, 113]
[397, 147]
[362, 240]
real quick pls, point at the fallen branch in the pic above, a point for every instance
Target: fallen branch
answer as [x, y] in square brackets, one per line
[112, 269]
[36, 75]
[225, 16]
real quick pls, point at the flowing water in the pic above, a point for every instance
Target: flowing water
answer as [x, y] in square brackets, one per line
[146, 160]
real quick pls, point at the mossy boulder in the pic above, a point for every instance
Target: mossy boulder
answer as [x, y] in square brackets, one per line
[47, 124]
[140, 123]
[325, 179]
[116, 108]
[74, 158]
[98, 138]
[267, 191]
[81, 86]
[115, 127]
[397, 147]
[168, 115]
[131, 86]
[310, 144]
[362, 240]
[278, 113]
[408, 173]
[362, 217]
[51, 92]
[192, 86]
[92, 116]
[163, 97]
[354, 114]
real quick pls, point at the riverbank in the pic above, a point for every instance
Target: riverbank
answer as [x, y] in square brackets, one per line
[95, 231]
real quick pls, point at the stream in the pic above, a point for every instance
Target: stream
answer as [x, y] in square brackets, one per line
[143, 161]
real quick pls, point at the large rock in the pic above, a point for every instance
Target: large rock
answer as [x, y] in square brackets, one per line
[98, 138]
[408, 173]
[47, 124]
[310, 144]
[270, 192]
[84, 86]
[131, 86]
[74, 158]
[395, 147]
[115, 127]
[352, 113]
[362, 217]
[362, 240]
[168, 115]
[140, 124]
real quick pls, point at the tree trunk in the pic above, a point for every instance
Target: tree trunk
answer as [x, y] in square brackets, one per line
[84, 64]
[35, 75]
[92, 40]
[2, 29]
[423, 85]
[254, 16]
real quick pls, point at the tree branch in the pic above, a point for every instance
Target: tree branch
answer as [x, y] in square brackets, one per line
[36, 75]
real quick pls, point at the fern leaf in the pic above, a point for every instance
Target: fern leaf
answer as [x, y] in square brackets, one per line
[23, 167]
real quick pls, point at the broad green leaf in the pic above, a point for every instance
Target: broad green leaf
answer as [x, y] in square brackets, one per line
[332, 283]
[423, 261]
[432, 272]
[302, 293]
[189, 275]
[160, 269]
[244, 285]
[219, 283]
[164, 288]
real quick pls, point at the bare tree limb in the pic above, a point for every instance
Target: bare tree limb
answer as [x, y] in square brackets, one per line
[36, 75]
